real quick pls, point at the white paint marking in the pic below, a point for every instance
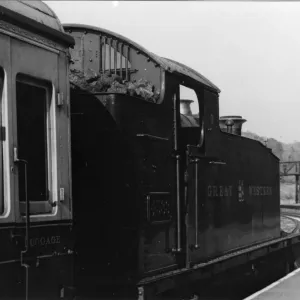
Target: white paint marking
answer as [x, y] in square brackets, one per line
[272, 285]
[295, 218]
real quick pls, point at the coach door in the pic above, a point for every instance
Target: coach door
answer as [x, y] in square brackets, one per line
[32, 160]
[40, 157]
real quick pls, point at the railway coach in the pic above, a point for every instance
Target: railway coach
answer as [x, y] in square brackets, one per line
[35, 172]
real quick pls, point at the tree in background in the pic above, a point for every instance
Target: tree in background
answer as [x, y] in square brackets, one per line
[277, 147]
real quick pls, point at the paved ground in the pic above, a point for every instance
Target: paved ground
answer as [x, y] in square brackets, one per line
[287, 287]
[233, 285]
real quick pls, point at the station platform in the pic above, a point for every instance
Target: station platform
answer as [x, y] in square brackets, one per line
[287, 287]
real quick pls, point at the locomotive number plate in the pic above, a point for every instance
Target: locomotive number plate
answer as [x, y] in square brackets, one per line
[159, 207]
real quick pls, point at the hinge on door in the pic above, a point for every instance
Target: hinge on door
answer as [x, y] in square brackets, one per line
[60, 99]
[2, 133]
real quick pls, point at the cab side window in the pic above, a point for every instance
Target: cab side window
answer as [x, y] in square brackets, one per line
[191, 117]
[189, 107]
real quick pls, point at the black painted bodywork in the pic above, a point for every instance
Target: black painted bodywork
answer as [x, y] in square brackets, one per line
[149, 196]
[49, 260]
[124, 175]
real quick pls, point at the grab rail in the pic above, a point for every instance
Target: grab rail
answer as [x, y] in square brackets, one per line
[177, 158]
[24, 252]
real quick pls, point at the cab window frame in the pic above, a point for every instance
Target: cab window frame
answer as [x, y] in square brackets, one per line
[199, 95]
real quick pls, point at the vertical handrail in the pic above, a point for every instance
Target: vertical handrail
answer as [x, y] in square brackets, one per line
[27, 207]
[27, 282]
[177, 158]
[17, 160]
[196, 205]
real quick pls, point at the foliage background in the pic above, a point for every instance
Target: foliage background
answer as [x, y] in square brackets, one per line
[285, 152]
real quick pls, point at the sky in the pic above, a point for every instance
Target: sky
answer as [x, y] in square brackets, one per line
[250, 50]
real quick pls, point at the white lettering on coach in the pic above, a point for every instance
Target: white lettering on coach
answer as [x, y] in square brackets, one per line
[43, 241]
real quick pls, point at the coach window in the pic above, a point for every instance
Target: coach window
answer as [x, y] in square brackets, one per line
[33, 130]
[1, 145]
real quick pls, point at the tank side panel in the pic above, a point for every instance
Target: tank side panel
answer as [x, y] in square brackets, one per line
[148, 128]
[238, 198]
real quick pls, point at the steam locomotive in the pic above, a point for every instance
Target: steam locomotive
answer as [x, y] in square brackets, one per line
[161, 195]
[156, 194]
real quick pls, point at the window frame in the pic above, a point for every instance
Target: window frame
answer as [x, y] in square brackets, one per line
[5, 204]
[8, 212]
[48, 207]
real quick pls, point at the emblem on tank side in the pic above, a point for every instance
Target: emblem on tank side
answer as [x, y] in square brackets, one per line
[241, 191]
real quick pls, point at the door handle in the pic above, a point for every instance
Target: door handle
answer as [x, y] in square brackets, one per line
[217, 162]
[16, 158]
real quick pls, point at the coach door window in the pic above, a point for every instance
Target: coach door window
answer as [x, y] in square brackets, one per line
[32, 102]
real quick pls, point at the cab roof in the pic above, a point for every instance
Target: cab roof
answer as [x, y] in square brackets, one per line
[165, 63]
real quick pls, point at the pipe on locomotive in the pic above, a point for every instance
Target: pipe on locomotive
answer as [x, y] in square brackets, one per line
[232, 124]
